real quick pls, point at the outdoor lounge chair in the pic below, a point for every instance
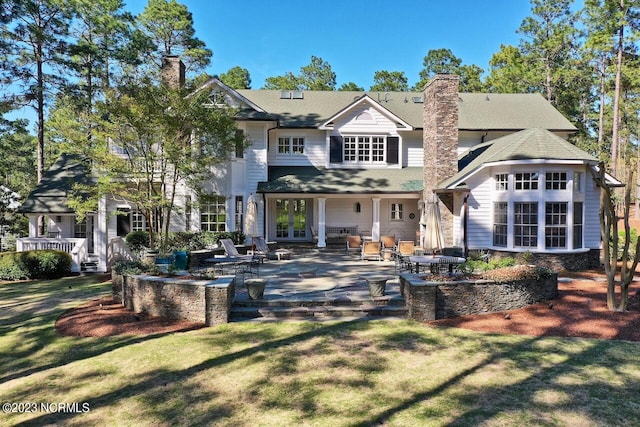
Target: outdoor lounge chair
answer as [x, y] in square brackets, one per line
[388, 242]
[354, 243]
[246, 262]
[404, 250]
[370, 250]
[263, 250]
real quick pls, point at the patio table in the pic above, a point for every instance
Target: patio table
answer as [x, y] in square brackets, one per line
[235, 262]
[431, 260]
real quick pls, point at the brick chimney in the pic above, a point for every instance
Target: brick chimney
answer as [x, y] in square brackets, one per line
[440, 142]
[172, 72]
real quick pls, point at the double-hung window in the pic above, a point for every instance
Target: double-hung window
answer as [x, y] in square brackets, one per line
[555, 231]
[290, 145]
[213, 213]
[364, 149]
[525, 224]
[500, 223]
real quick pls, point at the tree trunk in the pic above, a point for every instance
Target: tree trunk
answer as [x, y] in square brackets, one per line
[616, 99]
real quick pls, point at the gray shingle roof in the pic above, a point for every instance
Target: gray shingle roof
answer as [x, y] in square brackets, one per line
[50, 195]
[477, 110]
[309, 179]
[529, 144]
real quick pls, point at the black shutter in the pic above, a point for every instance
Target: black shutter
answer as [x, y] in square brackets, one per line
[335, 149]
[393, 145]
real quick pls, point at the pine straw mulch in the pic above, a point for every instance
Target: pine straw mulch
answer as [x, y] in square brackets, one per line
[579, 311]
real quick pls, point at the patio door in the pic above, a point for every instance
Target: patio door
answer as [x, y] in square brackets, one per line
[291, 219]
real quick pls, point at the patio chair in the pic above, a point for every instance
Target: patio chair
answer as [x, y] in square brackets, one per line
[404, 250]
[245, 264]
[354, 244]
[263, 250]
[371, 249]
[446, 264]
[388, 242]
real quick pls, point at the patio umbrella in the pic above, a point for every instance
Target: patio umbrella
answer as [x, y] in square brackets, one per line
[433, 238]
[251, 218]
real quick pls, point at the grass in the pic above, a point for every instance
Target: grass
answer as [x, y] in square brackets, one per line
[393, 373]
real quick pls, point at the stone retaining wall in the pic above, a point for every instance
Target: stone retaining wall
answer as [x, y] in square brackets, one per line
[438, 300]
[203, 301]
[557, 262]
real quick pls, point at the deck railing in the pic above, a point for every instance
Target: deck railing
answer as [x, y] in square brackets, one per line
[77, 248]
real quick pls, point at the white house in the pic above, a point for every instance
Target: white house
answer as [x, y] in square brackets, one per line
[324, 163]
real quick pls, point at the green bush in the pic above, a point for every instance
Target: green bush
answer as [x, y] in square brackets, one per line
[46, 264]
[125, 266]
[137, 240]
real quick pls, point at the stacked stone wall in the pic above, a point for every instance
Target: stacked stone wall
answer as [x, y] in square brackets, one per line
[437, 300]
[202, 301]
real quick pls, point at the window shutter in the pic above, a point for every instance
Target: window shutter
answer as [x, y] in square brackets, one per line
[393, 145]
[239, 144]
[335, 149]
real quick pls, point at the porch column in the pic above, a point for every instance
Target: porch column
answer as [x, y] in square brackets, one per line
[101, 238]
[322, 218]
[375, 229]
[33, 225]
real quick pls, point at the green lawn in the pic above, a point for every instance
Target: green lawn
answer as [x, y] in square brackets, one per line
[392, 373]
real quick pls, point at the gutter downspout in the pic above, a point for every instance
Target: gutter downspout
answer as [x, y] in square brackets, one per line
[465, 226]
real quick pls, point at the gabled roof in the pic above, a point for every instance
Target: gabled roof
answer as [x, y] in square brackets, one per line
[50, 195]
[529, 144]
[357, 103]
[477, 111]
[309, 179]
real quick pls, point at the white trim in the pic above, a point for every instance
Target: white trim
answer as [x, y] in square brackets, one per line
[365, 99]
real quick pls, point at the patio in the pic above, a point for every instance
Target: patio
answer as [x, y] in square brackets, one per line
[320, 283]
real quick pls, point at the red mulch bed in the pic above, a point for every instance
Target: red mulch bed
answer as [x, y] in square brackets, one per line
[580, 311]
[105, 317]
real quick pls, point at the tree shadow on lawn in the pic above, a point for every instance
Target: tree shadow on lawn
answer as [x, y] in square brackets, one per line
[29, 313]
[299, 391]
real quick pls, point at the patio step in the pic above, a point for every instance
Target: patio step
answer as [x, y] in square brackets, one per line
[386, 306]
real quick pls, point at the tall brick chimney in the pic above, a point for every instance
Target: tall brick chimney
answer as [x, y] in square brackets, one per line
[440, 142]
[172, 72]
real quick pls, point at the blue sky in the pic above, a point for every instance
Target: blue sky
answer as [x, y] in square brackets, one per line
[356, 37]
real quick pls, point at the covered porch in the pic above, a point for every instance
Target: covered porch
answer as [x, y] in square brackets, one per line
[309, 204]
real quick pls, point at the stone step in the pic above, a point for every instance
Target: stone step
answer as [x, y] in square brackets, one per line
[387, 300]
[317, 312]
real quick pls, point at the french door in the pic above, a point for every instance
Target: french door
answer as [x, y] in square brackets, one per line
[291, 219]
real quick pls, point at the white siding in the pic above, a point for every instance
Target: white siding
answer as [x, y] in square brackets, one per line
[255, 158]
[341, 212]
[412, 149]
[591, 212]
[365, 119]
[479, 225]
[315, 148]
[407, 227]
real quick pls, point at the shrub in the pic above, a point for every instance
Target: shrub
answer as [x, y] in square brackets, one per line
[518, 272]
[137, 240]
[125, 266]
[45, 264]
